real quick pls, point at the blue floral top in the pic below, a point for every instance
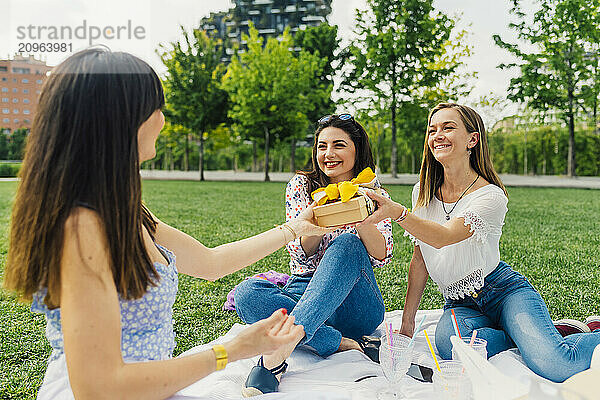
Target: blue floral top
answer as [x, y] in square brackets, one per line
[146, 323]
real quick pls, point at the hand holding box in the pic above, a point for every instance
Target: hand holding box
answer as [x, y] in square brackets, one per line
[345, 202]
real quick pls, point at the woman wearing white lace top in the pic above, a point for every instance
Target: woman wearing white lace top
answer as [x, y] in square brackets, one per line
[459, 208]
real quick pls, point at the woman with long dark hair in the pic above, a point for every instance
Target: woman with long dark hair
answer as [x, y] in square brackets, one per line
[459, 208]
[96, 261]
[332, 291]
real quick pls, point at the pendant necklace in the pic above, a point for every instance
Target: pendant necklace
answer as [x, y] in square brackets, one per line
[461, 196]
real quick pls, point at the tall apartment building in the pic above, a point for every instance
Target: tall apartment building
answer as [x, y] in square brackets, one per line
[270, 18]
[21, 81]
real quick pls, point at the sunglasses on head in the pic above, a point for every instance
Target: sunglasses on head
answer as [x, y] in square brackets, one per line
[328, 118]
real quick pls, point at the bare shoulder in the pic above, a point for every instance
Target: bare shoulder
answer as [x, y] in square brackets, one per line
[83, 219]
[85, 241]
[153, 216]
[480, 183]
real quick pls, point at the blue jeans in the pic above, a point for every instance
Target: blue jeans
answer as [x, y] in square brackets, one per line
[508, 312]
[340, 299]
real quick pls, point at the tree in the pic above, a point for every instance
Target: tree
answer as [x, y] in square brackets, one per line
[556, 73]
[591, 91]
[194, 98]
[271, 90]
[16, 144]
[490, 106]
[394, 57]
[174, 139]
[3, 145]
[376, 126]
[322, 41]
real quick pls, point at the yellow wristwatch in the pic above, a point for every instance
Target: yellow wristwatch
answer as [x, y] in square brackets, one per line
[221, 355]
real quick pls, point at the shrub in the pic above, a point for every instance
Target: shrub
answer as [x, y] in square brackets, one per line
[9, 170]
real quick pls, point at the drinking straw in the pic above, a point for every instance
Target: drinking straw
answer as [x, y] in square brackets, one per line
[473, 336]
[417, 330]
[455, 324]
[432, 352]
[391, 341]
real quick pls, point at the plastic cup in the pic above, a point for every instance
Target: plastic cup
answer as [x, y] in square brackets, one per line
[395, 361]
[451, 382]
[479, 345]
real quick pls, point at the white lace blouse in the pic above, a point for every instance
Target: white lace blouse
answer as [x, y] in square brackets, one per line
[460, 268]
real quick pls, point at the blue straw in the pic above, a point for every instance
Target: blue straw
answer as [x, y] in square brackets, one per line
[417, 330]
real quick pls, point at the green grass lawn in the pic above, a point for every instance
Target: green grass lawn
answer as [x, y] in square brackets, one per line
[550, 235]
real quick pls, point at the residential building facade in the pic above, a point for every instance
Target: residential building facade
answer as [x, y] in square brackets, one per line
[21, 81]
[269, 17]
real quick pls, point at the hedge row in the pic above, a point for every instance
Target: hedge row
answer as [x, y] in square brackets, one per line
[9, 170]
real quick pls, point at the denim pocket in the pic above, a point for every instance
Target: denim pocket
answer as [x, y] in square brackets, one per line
[506, 279]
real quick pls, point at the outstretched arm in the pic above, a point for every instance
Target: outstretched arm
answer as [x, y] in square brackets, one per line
[195, 259]
[91, 323]
[429, 232]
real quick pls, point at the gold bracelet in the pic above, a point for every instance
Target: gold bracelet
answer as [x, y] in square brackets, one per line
[289, 228]
[221, 355]
[285, 239]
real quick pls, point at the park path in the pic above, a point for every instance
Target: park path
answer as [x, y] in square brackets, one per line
[386, 179]
[586, 182]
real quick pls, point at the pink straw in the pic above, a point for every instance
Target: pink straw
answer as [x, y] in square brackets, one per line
[473, 336]
[390, 339]
[455, 324]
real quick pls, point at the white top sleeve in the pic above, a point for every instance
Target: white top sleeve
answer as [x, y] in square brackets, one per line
[485, 215]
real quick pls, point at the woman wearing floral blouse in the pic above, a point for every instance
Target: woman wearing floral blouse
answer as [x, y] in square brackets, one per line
[332, 291]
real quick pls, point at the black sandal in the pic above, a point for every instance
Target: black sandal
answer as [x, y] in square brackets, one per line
[262, 380]
[370, 346]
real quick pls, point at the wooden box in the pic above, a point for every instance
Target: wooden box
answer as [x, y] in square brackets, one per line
[338, 213]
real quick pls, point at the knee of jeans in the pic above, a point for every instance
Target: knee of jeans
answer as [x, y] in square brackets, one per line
[443, 331]
[548, 368]
[246, 295]
[347, 239]
[350, 244]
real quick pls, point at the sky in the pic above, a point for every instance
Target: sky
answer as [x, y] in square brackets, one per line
[139, 26]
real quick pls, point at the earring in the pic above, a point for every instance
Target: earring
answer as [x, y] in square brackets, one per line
[469, 151]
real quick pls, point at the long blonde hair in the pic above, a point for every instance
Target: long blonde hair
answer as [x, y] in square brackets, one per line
[432, 172]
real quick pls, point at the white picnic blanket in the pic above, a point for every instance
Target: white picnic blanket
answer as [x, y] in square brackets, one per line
[346, 375]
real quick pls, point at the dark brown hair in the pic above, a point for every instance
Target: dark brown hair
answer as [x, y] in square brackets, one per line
[432, 172]
[358, 135]
[82, 150]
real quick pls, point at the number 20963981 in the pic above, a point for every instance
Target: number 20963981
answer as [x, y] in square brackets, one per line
[26, 47]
